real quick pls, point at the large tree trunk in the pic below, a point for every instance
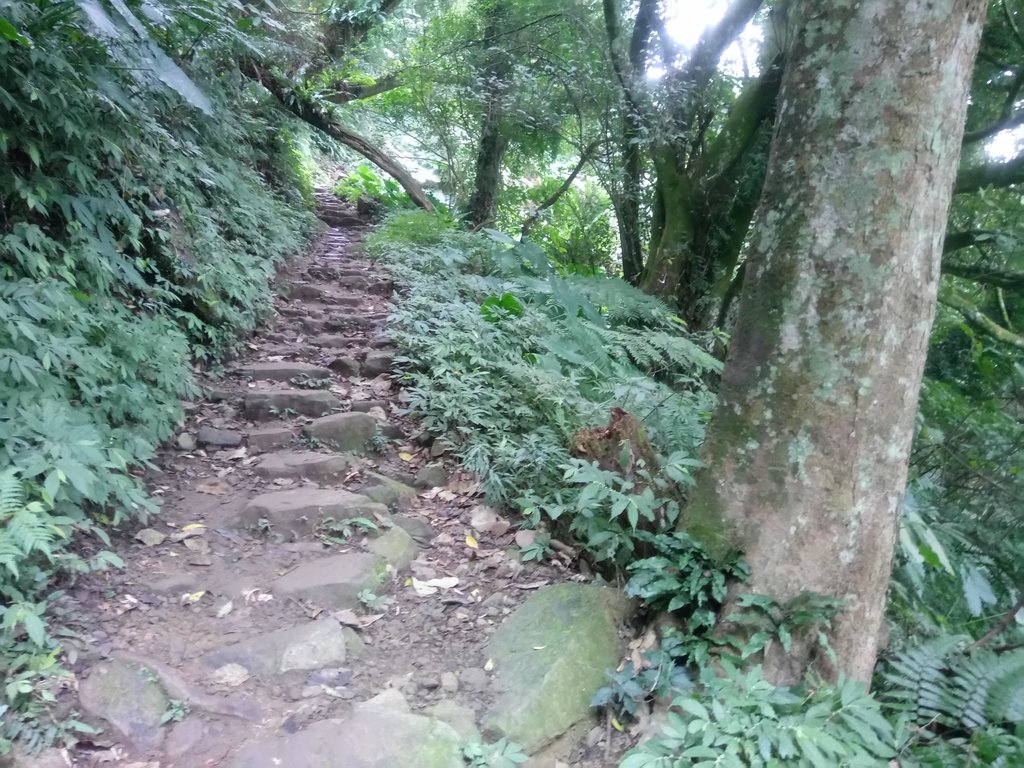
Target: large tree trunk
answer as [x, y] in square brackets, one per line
[806, 457]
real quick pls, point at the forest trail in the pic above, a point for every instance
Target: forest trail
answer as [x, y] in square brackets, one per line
[268, 615]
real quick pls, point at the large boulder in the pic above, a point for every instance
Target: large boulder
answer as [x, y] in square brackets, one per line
[128, 696]
[551, 656]
[379, 733]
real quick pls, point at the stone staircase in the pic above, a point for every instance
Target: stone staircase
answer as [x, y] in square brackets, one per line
[321, 587]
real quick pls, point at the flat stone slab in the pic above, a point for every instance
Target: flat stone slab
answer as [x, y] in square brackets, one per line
[218, 438]
[305, 402]
[309, 465]
[551, 655]
[298, 511]
[332, 341]
[313, 645]
[344, 431]
[280, 371]
[334, 581]
[343, 322]
[379, 733]
[127, 696]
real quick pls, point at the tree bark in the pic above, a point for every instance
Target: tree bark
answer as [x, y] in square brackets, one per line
[806, 456]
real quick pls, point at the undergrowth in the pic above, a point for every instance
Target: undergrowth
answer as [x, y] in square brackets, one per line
[507, 361]
[142, 213]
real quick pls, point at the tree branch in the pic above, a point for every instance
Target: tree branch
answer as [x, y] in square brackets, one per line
[977, 318]
[980, 274]
[345, 92]
[1007, 619]
[704, 59]
[1007, 118]
[321, 118]
[996, 175]
[585, 157]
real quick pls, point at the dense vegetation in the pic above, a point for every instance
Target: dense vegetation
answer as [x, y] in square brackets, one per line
[142, 212]
[157, 166]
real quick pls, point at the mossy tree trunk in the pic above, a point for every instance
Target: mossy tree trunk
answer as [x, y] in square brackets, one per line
[806, 457]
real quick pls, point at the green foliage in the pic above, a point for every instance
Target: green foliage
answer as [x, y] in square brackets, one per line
[364, 182]
[743, 721]
[507, 361]
[961, 705]
[501, 754]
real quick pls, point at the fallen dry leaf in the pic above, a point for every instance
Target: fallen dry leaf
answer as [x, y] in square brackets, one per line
[214, 488]
[471, 541]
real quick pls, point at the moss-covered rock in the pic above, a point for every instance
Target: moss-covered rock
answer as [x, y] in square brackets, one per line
[551, 656]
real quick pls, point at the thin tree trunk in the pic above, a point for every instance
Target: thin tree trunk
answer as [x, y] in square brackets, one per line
[494, 141]
[806, 456]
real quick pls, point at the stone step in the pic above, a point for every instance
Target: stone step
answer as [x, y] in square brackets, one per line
[335, 581]
[299, 511]
[313, 645]
[379, 733]
[269, 439]
[304, 465]
[304, 402]
[283, 371]
[344, 431]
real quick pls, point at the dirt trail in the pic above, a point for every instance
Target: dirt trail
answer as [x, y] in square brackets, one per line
[258, 602]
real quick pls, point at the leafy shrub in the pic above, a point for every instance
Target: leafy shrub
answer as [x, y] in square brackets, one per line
[365, 182]
[744, 721]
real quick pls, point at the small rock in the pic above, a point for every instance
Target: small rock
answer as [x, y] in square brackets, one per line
[428, 683]
[395, 546]
[345, 366]
[186, 442]
[378, 362]
[416, 527]
[461, 718]
[431, 476]
[387, 491]
[230, 674]
[438, 448]
[449, 682]
[332, 341]
[220, 438]
[474, 679]
[482, 518]
[150, 537]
